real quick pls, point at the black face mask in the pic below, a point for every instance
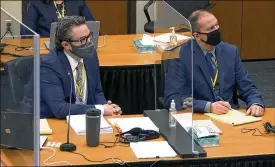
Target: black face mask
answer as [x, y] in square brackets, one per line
[84, 50]
[213, 38]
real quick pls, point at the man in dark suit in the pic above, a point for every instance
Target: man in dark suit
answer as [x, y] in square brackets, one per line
[70, 71]
[41, 13]
[217, 70]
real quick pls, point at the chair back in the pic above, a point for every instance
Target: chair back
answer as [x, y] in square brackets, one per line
[19, 72]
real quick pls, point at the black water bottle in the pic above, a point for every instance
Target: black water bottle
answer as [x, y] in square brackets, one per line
[93, 119]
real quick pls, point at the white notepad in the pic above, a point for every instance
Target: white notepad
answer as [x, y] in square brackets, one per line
[154, 149]
[78, 124]
[126, 124]
[45, 127]
[234, 117]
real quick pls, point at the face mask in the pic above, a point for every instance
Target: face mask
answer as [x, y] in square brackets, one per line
[213, 38]
[84, 50]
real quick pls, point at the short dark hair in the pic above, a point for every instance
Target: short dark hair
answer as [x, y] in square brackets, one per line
[63, 29]
[194, 17]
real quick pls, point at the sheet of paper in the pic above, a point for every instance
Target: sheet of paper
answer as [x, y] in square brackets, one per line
[126, 124]
[45, 127]
[234, 117]
[166, 37]
[78, 124]
[43, 140]
[153, 149]
[147, 40]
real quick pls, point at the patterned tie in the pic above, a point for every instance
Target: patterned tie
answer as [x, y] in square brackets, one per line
[79, 82]
[212, 64]
[213, 67]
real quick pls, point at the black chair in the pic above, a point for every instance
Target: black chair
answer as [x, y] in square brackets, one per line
[149, 26]
[19, 72]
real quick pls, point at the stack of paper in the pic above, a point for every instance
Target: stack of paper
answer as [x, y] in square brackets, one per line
[156, 149]
[234, 117]
[45, 127]
[78, 124]
[126, 124]
[203, 128]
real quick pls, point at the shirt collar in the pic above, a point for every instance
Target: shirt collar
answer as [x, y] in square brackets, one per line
[72, 61]
[211, 51]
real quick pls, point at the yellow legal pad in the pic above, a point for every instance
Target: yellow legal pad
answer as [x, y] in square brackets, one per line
[234, 117]
[45, 127]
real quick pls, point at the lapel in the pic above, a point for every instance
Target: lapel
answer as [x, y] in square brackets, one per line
[68, 70]
[201, 61]
[221, 67]
[88, 76]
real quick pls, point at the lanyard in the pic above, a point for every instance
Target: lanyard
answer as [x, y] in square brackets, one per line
[215, 79]
[79, 89]
[63, 10]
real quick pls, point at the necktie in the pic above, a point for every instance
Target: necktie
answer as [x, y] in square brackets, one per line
[212, 64]
[79, 82]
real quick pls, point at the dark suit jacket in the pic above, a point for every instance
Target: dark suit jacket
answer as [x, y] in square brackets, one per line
[55, 86]
[231, 74]
[40, 15]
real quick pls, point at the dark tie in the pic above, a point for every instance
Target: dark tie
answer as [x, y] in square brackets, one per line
[212, 64]
[79, 82]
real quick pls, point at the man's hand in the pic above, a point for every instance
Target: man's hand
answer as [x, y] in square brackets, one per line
[108, 110]
[117, 110]
[255, 110]
[220, 107]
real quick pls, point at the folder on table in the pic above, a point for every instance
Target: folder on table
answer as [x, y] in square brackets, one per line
[234, 117]
[45, 127]
[78, 124]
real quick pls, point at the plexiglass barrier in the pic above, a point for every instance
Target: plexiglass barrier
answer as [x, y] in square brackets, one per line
[173, 41]
[20, 97]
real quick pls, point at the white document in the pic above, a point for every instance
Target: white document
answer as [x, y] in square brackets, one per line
[126, 124]
[43, 140]
[45, 127]
[78, 124]
[166, 37]
[153, 149]
[147, 40]
[204, 128]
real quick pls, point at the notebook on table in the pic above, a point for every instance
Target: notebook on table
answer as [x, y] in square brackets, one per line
[234, 117]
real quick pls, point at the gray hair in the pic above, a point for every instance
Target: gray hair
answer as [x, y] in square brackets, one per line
[194, 17]
[64, 27]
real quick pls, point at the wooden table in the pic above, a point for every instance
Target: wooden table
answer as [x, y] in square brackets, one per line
[233, 144]
[118, 51]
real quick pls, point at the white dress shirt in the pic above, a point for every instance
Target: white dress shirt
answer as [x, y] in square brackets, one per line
[74, 64]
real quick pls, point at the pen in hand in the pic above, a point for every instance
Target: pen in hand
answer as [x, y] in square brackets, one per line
[220, 106]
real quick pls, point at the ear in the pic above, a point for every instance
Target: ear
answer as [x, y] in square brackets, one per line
[195, 35]
[65, 45]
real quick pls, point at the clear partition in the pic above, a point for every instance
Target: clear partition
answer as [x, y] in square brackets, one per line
[20, 97]
[173, 40]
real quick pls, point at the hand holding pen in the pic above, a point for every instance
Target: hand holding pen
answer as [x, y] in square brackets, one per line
[220, 106]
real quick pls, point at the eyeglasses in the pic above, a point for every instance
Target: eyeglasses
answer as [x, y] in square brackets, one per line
[84, 40]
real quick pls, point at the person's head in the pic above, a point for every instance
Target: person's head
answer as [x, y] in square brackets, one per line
[73, 36]
[205, 28]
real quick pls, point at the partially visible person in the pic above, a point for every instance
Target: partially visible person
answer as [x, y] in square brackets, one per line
[217, 70]
[69, 73]
[41, 13]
